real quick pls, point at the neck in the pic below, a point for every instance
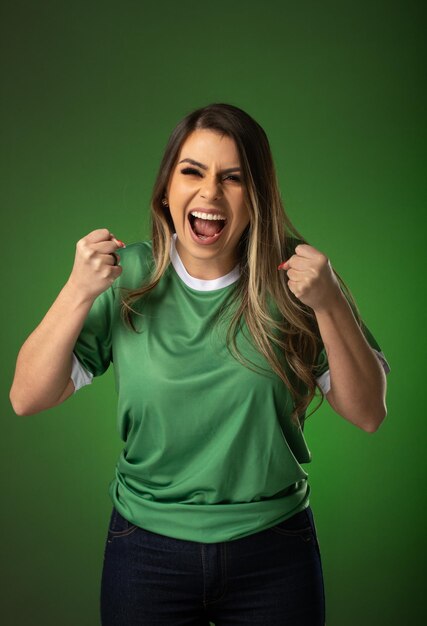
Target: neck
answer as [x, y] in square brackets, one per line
[206, 269]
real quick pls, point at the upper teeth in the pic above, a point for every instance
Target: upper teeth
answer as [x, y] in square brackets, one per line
[207, 216]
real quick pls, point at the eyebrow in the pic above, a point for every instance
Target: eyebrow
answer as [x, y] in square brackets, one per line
[205, 167]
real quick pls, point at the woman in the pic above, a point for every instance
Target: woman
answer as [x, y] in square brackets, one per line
[221, 328]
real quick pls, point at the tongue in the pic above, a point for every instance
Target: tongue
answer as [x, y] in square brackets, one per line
[207, 227]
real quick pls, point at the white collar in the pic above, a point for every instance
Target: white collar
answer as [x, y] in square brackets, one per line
[197, 283]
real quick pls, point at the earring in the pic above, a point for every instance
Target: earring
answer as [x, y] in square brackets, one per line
[165, 202]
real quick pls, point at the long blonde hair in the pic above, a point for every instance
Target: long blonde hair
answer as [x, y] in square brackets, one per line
[289, 333]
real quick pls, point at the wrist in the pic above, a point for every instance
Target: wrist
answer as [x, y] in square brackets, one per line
[335, 302]
[76, 295]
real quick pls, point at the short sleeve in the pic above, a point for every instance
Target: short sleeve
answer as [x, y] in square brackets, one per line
[79, 375]
[93, 347]
[323, 378]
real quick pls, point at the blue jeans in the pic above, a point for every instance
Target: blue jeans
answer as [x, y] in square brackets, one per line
[270, 578]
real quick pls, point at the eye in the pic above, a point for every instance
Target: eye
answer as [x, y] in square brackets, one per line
[190, 170]
[234, 178]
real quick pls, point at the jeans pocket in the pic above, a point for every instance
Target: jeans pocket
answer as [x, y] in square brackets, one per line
[298, 525]
[119, 526]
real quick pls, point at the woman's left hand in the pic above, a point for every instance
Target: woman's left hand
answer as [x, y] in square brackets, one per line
[311, 278]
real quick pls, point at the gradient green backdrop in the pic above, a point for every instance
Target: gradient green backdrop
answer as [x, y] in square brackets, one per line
[90, 93]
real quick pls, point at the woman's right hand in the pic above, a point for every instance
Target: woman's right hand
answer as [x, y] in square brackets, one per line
[95, 264]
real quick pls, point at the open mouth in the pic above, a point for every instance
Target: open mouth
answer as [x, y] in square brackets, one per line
[206, 229]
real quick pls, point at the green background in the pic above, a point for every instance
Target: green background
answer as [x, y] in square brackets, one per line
[90, 93]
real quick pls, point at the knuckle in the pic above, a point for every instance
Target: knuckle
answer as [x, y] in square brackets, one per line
[83, 246]
[88, 252]
[97, 231]
[105, 274]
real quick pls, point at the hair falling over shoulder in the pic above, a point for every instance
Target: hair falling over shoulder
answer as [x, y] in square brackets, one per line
[283, 329]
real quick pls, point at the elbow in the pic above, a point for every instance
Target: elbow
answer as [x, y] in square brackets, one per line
[21, 407]
[367, 416]
[16, 400]
[375, 422]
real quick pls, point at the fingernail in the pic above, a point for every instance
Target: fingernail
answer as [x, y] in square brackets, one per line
[282, 265]
[122, 245]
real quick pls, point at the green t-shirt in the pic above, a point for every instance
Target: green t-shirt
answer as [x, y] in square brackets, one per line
[210, 453]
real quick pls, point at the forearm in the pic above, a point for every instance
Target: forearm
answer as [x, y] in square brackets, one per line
[43, 365]
[358, 382]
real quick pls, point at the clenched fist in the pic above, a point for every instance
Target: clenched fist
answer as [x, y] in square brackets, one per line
[96, 263]
[311, 278]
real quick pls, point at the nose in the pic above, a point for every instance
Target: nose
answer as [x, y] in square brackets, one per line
[210, 189]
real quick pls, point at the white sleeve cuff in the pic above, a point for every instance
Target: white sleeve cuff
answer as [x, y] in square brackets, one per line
[80, 375]
[324, 381]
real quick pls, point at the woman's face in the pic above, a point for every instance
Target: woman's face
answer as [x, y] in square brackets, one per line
[206, 200]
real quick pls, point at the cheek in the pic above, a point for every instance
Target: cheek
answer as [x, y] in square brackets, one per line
[245, 217]
[241, 224]
[239, 203]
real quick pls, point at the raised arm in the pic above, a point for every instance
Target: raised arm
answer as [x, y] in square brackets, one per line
[358, 383]
[42, 375]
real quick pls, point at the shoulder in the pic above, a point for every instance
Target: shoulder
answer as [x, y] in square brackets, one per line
[139, 249]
